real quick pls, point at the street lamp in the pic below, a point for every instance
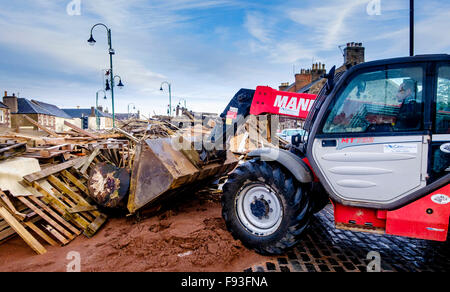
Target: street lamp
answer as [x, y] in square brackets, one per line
[111, 52]
[134, 108]
[170, 95]
[182, 99]
[96, 107]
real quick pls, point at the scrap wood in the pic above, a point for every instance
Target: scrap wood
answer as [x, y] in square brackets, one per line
[88, 162]
[45, 129]
[52, 170]
[81, 131]
[12, 150]
[26, 236]
[128, 135]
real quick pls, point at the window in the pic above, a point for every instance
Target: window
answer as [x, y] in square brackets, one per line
[2, 116]
[442, 101]
[380, 101]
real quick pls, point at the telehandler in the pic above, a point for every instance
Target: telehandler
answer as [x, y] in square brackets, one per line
[378, 148]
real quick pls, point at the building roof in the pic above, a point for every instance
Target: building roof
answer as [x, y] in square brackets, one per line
[2, 105]
[25, 106]
[52, 109]
[123, 117]
[84, 112]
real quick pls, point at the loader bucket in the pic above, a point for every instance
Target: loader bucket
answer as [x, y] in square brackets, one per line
[160, 168]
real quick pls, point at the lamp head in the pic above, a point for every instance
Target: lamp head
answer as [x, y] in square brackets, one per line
[91, 40]
[107, 87]
[120, 85]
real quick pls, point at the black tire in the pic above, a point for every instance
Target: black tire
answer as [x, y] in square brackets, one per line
[292, 197]
[319, 198]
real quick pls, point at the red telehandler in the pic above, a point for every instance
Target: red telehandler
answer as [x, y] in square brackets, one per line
[377, 146]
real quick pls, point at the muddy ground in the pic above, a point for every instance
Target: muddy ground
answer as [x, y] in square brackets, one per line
[190, 237]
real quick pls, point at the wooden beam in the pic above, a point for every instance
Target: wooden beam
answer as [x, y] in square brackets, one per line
[81, 131]
[52, 170]
[42, 234]
[75, 181]
[48, 131]
[49, 220]
[60, 206]
[95, 226]
[54, 215]
[62, 187]
[89, 160]
[26, 236]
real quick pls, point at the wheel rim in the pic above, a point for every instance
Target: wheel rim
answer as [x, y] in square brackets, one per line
[259, 209]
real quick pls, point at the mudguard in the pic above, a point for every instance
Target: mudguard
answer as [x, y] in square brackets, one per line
[294, 164]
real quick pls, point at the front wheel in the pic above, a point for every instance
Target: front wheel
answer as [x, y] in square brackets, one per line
[265, 207]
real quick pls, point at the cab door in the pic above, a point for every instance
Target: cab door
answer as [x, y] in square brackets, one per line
[371, 147]
[440, 147]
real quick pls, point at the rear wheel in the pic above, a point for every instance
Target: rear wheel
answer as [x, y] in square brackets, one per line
[265, 207]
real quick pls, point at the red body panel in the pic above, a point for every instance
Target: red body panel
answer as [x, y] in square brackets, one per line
[426, 218]
[271, 101]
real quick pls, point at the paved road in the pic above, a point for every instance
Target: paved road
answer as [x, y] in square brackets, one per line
[326, 249]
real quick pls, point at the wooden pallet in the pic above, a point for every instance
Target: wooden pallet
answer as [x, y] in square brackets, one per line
[64, 188]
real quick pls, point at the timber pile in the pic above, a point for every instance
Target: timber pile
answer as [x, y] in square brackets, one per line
[58, 208]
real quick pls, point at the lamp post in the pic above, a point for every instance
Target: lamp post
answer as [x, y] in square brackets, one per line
[134, 107]
[111, 52]
[170, 95]
[96, 107]
[182, 99]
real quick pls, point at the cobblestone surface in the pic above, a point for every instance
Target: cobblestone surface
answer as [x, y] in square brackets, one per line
[327, 249]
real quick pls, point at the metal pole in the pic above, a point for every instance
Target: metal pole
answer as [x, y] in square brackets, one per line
[96, 112]
[170, 100]
[411, 28]
[111, 53]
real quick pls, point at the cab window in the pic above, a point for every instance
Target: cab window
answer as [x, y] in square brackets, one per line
[442, 101]
[380, 101]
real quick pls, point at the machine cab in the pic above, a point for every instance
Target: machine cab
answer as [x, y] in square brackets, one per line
[381, 138]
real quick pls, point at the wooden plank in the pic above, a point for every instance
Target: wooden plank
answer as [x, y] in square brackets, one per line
[4, 234]
[81, 131]
[41, 233]
[73, 195]
[48, 219]
[75, 181]
[71, 204]
[26, 236]
[95, 226]
[128, 135]
[54, 215]
[48, 131]
[61, 207]
[11, 207]
[89, 160]
[80, 209]
[11, 151]
[51, 170]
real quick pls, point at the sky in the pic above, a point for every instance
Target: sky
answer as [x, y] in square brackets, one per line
[207, 50]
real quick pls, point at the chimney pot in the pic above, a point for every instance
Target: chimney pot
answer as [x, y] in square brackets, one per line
[6, 93]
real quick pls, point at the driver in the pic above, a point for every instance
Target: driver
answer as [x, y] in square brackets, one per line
[410, 113]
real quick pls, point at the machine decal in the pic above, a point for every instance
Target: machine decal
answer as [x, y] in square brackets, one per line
[349, 142]
[400, 148]
[440, 199]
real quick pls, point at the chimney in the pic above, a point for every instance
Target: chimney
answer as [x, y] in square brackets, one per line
[284, 86]
[92, 111]
[354, 54]
[302, 79]
[318, 71]
[100, 108]
[11, 102]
